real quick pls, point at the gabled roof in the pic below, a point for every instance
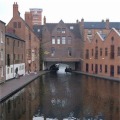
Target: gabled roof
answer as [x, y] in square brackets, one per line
[13, 36]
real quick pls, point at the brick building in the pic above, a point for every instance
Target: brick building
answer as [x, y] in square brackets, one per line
[23, 29]
[102, 54]
[15, 55]
[2, 51]
[61, 43]
[36, 16]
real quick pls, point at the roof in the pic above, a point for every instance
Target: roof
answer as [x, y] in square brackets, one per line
[51, 26]
[101, 25]
[13, 36]
[38, 30]
[2, 22]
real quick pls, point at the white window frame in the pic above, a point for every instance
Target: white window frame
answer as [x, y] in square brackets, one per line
[63, 30]
[63, 40]
[69, 40]
[1, 37]
[58, 40]
[53, 40]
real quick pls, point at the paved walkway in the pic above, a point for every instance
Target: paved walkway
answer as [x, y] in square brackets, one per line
[10, 87]
[96, 75]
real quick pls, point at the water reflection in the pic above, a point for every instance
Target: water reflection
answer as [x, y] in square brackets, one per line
[74, 96]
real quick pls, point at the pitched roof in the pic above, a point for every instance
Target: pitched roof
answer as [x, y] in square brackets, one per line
[38, 30]
[93, 25]
[101, 25]
[13, 36]
[51, 26]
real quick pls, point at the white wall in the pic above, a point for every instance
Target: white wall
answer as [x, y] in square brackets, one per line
[10, 70]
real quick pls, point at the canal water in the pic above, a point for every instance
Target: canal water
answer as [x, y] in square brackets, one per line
[67, 96]
[64, 96]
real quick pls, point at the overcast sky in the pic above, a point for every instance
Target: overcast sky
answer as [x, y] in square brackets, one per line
[67, 10]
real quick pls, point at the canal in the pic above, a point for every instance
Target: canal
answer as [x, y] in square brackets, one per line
[64, 96]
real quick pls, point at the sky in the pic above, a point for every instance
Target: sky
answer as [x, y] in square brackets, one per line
[67, 10]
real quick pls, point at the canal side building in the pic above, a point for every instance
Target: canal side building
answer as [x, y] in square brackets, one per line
[2, 51]
[102, 54]
[61, 43]
[15, 55]
[23, 29]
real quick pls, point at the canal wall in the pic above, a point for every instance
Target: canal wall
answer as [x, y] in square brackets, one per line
[19, 98]
[98, 76]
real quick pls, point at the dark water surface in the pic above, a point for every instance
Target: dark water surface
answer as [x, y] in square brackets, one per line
[78, 97]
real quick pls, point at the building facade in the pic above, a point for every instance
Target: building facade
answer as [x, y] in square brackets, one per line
[2, 51]
[15, 55]
[26, 33]
[102, 54]
[61, 43]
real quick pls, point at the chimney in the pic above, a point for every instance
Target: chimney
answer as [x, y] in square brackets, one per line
[15, 10]
[44, 20]
[77, 21]
[82, 23]
[107, 24]
[28, 18]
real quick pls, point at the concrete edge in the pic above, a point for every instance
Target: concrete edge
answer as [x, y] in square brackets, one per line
[98, 76]
[21, 87]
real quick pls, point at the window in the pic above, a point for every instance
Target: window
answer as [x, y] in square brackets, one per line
[69, 51]
[92, 52]
[71, 27]
[19, 24]
[118, 51]
[1, 54]
[69, 39]
[96, 41]
[92, 67]
[100, 51]
[63, 40]
[38, 30]
[1, 37]
[96, 52]
[112, 52]
[52, 51]
[112, 39]
[105, 68]
[63, 30]
[100, 68]
[53, 40]
[8, 60]
[15, 24]
[58, 40]
[118, 70]
[89, 32]
[58, 30]
[106, 51]
[87, 54]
